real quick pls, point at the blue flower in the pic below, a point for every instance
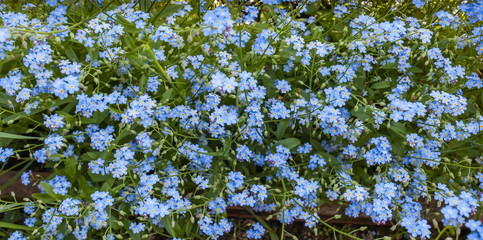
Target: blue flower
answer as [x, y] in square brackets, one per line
[70, 207]
[17, 236]
[419, 3]
[60, 184]
[340, 10]
[381, 153]
[283, 86]
[217, 206]
[218, 21]
[102, 200]
[222, 83]
[54, 121]
[26, 177]
[4, 34]
[235, 180]
[5, 153]
[256, 231]
[137, 227]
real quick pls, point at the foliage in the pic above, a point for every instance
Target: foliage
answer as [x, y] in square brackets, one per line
[156, 116]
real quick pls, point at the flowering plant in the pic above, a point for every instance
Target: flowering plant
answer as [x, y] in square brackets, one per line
[155, 116]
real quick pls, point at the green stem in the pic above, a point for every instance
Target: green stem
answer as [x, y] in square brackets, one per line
[441, 233]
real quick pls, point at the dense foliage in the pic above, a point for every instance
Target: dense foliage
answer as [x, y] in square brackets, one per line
[156, 116]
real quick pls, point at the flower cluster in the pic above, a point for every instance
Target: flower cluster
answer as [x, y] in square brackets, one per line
[163, 117]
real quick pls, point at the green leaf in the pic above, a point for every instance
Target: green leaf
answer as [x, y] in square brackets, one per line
[398, 128]
[127, 39]
[416, 70]
[71, 168]
[289, 142]
[142, 83]
[214, 154]
[166, 95]
[145, 4]
[84, 187]
[167, 225]
[15, 136]
[15, 226]
[98, 177]
[135, 59]
[381, 85]
[331, 160]
[44, 197]
[362, 113]
[389, 66]
[106, 187]
[4, 98]
[6, 207]
[49, 189]
[116, 189]
[282, 126]
[128, 26]
[115, 110]
[69, 52]
[167, 11]
[90, 156]
[96, 119]
[93, 53]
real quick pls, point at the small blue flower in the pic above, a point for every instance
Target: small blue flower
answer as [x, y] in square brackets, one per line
[4, 34]
[5, 153]
[137, 227]
[256, 231]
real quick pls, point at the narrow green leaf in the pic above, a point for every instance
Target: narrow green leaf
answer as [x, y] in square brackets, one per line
[214, 154]
[17, 175]
[145, 4]
[106, 187]
[44, 197]
[116, 189]
[7, 207]
[15, 226]
[15, 136]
